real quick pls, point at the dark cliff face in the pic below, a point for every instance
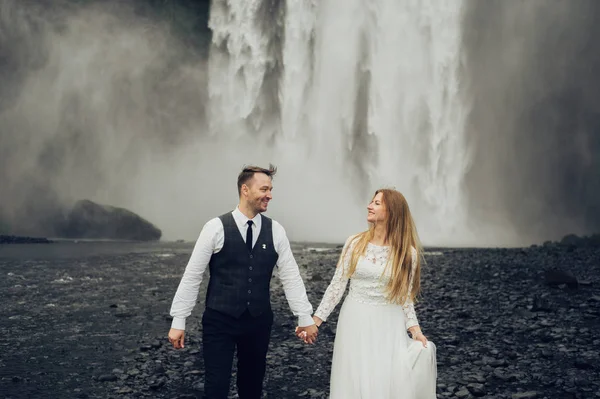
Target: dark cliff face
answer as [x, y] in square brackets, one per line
[532, 74]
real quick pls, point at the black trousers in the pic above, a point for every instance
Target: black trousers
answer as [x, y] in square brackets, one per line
[222, 335]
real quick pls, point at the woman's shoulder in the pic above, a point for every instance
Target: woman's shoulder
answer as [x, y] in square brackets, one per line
[353, 239]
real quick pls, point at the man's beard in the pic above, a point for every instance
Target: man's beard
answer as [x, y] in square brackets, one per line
[258, 206]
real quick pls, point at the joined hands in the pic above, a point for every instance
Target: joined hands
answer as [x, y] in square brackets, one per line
[309, 333]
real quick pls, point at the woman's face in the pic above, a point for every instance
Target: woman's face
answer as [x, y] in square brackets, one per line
[377, 212]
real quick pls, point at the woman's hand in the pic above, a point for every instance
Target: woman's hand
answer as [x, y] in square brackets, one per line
[417, 335]
[317, 321]
[422, 338]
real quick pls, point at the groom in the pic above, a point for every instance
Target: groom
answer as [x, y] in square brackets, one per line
[240, 248]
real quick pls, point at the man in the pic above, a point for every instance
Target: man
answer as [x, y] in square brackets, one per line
[240, 248]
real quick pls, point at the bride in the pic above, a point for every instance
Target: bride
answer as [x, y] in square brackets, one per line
[373, 356]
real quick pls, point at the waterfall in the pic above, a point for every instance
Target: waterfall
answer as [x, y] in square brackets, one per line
[483, 113]
[350, 95]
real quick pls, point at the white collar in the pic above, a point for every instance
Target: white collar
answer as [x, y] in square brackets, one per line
[241, 220]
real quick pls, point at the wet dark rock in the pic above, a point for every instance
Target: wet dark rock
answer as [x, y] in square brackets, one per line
[476, 389]
[7, 239]
[525, 395]
[573, 240]
[584, 364]
[155, 385]
[94, 221]
[556, 277]
[541, 304]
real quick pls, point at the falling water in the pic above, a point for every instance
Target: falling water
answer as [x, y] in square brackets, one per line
[363, 93]
[483, 113]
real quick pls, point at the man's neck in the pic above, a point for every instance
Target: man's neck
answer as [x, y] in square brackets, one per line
[247, 211]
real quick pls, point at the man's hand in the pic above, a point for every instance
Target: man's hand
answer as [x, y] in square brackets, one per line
[176, 337]
[307, 334]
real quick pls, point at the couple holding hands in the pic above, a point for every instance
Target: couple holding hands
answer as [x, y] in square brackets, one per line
[373, 357]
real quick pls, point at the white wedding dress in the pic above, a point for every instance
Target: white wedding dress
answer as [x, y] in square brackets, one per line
[373, 357]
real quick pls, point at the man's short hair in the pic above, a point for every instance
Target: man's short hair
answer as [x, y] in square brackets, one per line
[248, 173]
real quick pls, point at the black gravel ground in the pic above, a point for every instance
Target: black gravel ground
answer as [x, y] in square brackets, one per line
[89, 320]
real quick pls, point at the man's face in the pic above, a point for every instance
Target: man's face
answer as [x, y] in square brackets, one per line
[259, 192]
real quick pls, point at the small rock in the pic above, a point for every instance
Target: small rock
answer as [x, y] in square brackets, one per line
[476, 389]
[583, 364]
[154, 385]
[199, 386]
[107, 378]
[541, 305]
[556, 277]
[525, 395]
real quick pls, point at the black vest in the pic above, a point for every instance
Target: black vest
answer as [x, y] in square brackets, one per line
[239, 279]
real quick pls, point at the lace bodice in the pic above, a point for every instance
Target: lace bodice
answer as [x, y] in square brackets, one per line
[367, 284]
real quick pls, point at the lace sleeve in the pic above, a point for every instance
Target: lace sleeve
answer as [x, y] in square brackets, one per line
[338, 284]
[409, 306]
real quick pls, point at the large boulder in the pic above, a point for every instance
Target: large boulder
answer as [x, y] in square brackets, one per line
[90, 220]
[573, 240]
[556, 277]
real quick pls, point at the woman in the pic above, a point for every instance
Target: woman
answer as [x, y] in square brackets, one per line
[373, 356]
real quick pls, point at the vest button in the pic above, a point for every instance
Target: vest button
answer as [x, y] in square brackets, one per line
[247, 303]
[249, 280]
[249, 291]
[250, 268]
[251, 256]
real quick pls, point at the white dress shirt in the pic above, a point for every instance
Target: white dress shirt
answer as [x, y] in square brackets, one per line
[211, 241]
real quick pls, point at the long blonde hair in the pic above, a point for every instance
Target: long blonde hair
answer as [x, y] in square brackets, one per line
[401, 234]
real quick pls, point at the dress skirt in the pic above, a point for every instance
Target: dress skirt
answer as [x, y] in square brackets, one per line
[373, 357]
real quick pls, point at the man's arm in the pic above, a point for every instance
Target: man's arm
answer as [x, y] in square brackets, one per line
[187, 292]
[289, 274]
